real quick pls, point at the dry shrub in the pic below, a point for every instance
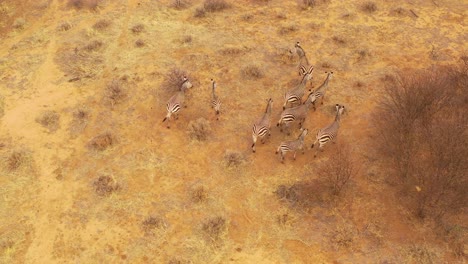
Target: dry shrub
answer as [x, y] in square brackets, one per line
[93, 46]
[302, 195]
[180, 4]
[362, 54]
[199, 12]
[102, 24]
[102, 142]
[307, 3]
[369, 7]
[50, 120]
[247, 17]
[338, 40]
[174, 79]
[105, 185]
[232, 51]
[80, 120]
[287, 29]
[19, 23]
[234, 158]
[199, 194]
[78, 64]
[92, 4]
[151, 225]
[138, 28]
[343, 236]
[199, 129]
[214, 228]
[423, 138]
[15, 160]
[186, 39]
[64, 26]
[338, 171]
[115, 92]
[215, 5]
[139, 43]
[252, 72]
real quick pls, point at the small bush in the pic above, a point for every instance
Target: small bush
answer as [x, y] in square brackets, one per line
[233, 158]
[15, 160]
[115, 92]
[102, 24]
[50, 120]
[369, 7]
[302, 195]
[140, 43]
[180, 4]
[287, 29]
[138, 28]
[65, 26]
[93, 46]
[199, 194]
[214, 228]
[215, 5]
[252, 72]
[102, 142]
[199, 12]
[80, 120]
[92, 4]
[174, 79]
[339, 40]
[186, 39]
[152, 224]
[308, 3]
[199, 129]
[19, 23]
[105, 185]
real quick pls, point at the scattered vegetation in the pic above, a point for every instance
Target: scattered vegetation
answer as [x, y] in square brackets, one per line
[138, 28]
[92, 4]
[80, 120]
[93, 46]
[369, 7]
[214, 228]
[105, 185]
[79, 63]
[64, 26]
[15, 160]
[234, 158]
[19, 23]
[252, 72]
[199, 194]
[102, 24]
[215, 5]
[339, 40]
[424, 140]
[287, 29]
[50, 120]
[115, 92]
[174, 79]
[180, 4]
[102, 142]
[199, 129]
[140, 43]
[151, 225]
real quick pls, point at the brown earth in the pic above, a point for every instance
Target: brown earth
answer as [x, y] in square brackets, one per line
[104, 181]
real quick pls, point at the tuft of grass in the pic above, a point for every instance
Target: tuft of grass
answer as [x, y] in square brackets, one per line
[151, 225]
[186, 39]
[102, 24]
[138, 28]
[102, 142]
[215, 5]
[78, 4]
[64, 26]
[199, 129]
[115, 92]
[105, 185]
[180, 4]
[199, 194]
[50, 120]
[15, 160]
[173, 79]
[287, 29]
[252, 72]
[305, 4]
[339, 40]
[93, 46]
[369, 7]
[80, 120]
[139, 43]
[214, 228]
[19, 23]
[233, 158]
[199, 12]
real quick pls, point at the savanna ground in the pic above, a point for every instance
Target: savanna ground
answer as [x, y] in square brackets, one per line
[89, 174]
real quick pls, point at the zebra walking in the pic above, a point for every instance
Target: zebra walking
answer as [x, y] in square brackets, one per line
[215, 102]
[293, 145]
[295, 95]
[320, 92]
[262, 127]
[330, 132]
[303, 61]
[176, 102]
[298, 113]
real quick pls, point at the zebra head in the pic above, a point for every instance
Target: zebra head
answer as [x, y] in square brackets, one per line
[186, 84]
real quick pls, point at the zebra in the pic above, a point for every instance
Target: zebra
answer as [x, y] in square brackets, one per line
[330, 132]
[320, 92]
[295, 113]
[215, 102]
[262, 127]
[295, 95]
[175, 103]
[303, 61]
[293, 145]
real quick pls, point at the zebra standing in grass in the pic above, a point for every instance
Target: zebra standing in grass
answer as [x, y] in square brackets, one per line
[294, 95]
[262, 127]
[215, 102]
[298, 113]
[330, 132]
[176, 102]
[293, 145]
[303, 61]
[320, 92]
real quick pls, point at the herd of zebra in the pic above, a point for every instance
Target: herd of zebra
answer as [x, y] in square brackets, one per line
[293, 110]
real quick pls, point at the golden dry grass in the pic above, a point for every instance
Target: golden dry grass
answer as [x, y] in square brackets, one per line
[210, 201]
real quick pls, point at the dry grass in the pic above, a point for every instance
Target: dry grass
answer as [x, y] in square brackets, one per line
[50, 120]
[105, 185]
[81, 117]
[369, 7]
[115, 92]
[152, 225]
[287, 29]
[199, 129]
[303, 195]
[174, 79]
[92, 46]
[19, 23]
[214, 228]
[102, 24]
[64, 26]
[180, 4]
[199, 194]
[186, 39]
[139, 43]
[91, 4]
[234, 158]
[339, 40]
[215, 5]
[252, 72]
[79, 64]
[199, 12]
[102, 142]
[138, 28]
[15, 160]
[2, 106]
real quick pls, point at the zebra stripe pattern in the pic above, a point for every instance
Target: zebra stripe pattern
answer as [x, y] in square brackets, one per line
[215, 102]
[295, 95]
[262, 127]
[296, 113]
[292, 146]
[330, 132]
[176, 102]
[320, 92]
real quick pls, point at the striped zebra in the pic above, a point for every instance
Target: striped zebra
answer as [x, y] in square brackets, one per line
[320, 92]
[330, 132]
[215, 102]
[262, 127]
[293, 145]
[176, 102]
[303, 61]
[295, 95]
[298, 113]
